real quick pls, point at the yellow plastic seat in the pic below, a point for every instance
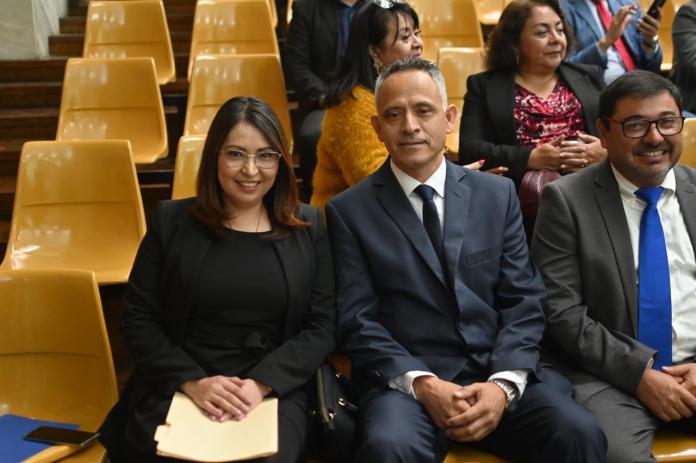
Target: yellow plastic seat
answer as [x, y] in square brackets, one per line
[218, 78]
[457, 64]
[665, 36]
[668, 447]
[128, 29]
[54, 353]
[672, 446]
[188, 161]
[448, 23]
[77, 205]
[231, 27]
[489, 10]
[114, 98]
[688, 155]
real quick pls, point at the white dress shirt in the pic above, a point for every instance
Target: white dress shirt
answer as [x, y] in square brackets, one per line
[404, 383]
[680, 254]
[615, 66]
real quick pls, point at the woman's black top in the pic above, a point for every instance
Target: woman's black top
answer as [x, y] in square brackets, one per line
[240, 299]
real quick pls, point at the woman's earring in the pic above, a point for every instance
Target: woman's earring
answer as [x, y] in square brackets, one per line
[378, 66]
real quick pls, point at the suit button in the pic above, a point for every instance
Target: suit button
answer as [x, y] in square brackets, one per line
[377, 374]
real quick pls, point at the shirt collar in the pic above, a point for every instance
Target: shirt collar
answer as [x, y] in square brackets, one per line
[408, 183]
[628, 189]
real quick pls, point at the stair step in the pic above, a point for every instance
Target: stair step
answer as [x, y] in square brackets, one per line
[66, 44]
[77, 7]
[50, 69]
[72, 44]
[179, 6]
[29, 123]
[30, 94]
[9, 156]
[42, 123]
[72, 25]
[177, 22]
[7, 189]
[47, 94]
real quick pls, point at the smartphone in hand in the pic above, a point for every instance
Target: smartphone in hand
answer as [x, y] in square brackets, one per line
[652, 10]
[56, 435]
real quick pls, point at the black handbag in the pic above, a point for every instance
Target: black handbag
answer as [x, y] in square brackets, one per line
[334, 414]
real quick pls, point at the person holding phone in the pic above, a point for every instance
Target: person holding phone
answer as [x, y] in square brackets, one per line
[615, 35]
[231, 296]
[684, 66]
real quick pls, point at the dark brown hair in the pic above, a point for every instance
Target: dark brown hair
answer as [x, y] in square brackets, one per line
[503, 43]
[369, 27]
[282, 198]
[635, 84]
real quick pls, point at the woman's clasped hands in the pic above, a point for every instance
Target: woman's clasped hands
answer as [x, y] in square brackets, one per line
[222, 398]
[567, 155]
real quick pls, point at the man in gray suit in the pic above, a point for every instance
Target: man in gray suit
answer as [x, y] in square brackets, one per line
[628, 348]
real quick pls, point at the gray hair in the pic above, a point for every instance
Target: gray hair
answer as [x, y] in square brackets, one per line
[414, 64]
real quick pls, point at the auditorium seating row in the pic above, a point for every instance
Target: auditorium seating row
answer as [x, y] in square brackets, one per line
[78, 215]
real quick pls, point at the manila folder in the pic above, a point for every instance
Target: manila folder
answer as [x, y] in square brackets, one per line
[189, 435]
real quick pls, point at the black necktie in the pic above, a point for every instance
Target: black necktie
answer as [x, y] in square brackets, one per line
[431, 219]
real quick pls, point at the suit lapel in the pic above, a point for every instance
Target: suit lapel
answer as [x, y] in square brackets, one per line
[686, 195]
[399, 208]
[193, 240]
[588, 18]
[606, 193]
[579, 84]
[456, 213]
[288, 254]
[500, 93]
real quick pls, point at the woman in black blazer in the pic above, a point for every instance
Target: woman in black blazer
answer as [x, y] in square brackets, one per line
[510, 116]
[231, 297]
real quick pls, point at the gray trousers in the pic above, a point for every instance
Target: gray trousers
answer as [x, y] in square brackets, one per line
[628, 425]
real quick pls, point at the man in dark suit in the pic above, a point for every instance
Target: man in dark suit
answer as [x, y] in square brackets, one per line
[439, 305]
[615, 35]
[315, 44]
[599, 233]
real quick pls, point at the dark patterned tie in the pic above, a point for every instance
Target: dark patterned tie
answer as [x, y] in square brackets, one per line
[431, 219]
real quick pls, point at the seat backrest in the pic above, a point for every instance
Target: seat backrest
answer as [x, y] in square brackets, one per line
[489, 11]
[127, 29]
[188, 161]
[77, 205]
[54, 350]
[688, 155]
[457, 64]
[218, 78]
[228, 27]
[447, 23]
[669, 11]
[114, 98]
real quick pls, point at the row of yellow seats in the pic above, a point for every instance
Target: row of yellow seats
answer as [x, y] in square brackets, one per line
[138, 28]
[114, 98]
[78, 207]
[55, 356]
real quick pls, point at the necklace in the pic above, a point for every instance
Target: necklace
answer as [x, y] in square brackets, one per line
[230, 224]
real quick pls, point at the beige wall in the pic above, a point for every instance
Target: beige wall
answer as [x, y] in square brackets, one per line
[25, 26]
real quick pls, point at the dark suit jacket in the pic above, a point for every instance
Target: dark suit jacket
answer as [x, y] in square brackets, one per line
[588, 33]
[396, 311]
[159, 301]
[582, 245]
[487, 130]
[684, 66]
[311, 48]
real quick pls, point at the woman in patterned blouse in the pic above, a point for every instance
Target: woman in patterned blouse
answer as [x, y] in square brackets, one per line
[530, 110]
